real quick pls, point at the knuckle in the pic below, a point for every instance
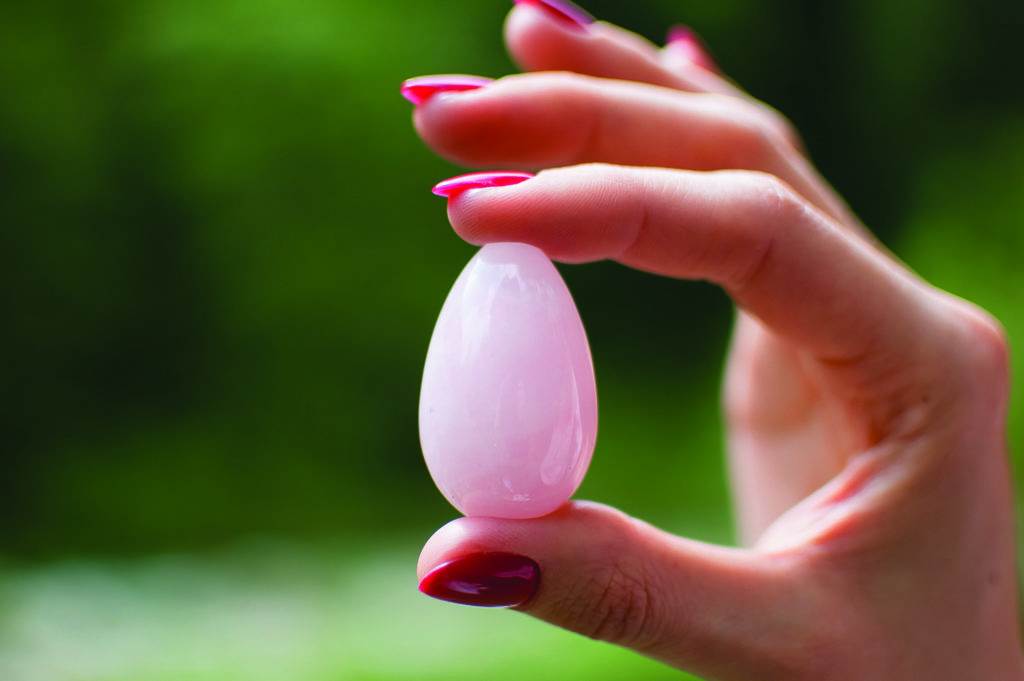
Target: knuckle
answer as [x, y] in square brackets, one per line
[772, 206]
[616, 600]
[986, 347]
[965, 370]
[770, 193]
[616, 608]
[753, 139]
[783, 128]
[759, 135]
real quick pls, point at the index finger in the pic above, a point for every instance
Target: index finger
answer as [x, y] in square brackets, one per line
[778, 257]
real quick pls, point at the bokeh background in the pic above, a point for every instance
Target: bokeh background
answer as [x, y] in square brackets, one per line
[221, 268]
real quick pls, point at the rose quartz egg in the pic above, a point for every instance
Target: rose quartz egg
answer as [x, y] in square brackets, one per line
[508, 406]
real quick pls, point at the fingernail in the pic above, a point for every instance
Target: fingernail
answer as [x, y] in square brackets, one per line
[456, 185]
[562, 10]
[688, 43]
[486, 580]
[419, 90]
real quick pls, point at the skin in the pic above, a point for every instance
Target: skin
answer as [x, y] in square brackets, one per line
[865, 408]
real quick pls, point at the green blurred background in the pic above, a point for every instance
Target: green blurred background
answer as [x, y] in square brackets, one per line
[222, 265]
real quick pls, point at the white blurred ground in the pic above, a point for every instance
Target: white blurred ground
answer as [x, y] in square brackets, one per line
[265, 612]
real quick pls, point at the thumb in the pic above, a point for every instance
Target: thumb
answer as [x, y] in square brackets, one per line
[724, 613]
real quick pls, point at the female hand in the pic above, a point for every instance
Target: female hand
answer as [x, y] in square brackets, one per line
[866, 409]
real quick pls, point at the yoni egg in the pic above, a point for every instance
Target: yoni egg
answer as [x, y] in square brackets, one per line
[508, 405]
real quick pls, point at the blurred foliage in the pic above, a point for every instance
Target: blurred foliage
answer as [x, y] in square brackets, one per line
[223, 266]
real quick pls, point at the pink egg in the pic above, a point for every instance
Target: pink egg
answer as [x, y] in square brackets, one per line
[508, 406]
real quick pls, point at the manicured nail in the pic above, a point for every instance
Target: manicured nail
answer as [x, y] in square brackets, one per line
[562, 10]
[688, 43]
[419, 90]
[456, 185]
[487, 580]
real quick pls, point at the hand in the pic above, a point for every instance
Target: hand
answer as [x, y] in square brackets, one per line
[866, 409]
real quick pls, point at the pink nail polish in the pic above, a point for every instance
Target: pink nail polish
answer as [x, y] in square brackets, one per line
[456, 185]
[562, 10]
[688, 43]
[419, 90]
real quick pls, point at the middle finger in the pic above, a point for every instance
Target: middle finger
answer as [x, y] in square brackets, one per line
[542, 120]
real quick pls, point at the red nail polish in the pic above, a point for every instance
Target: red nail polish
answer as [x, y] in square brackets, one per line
[456, 185]
[419, 90]
[487, 580]
[562, 10]
[684, 39]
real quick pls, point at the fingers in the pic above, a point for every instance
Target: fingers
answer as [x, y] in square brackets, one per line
[614, 578]
[553, 119]
[539, 43]
[549, 119]
[780, 259]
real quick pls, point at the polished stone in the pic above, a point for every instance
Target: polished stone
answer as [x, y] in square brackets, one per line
[508, 405]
